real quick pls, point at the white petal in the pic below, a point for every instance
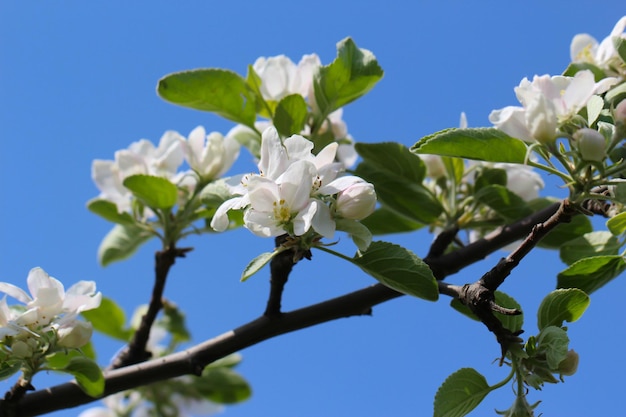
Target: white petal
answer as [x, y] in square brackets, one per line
[220, 221]
[340, 184]
[322, 221]
[304, 219]
[15, 292]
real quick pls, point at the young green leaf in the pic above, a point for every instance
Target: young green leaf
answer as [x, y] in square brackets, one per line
[590, 274]
[154, 192]
[490, 176]
[617, 224]
[173, 321]
[109, 319]
[108, 210]
[399, 269]
[360, 234]
[259, 262]
[620, 46]
[561, 305]
[393, 157]
[88, 375]
[352, 74]
[384, 221]
[460, 393]
[290, 115]
[483, 144]
[590, 244]
[575, 67]
[222, 385]
[401, 195]
[503, 201]
[219, 91]
[553, 342]
[9, 368]
[120, 243]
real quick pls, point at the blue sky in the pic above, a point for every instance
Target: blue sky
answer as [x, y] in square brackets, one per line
[77, 83]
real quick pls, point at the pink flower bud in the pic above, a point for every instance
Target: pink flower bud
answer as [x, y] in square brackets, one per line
[357, 201]
[620, 112]
[591, 144]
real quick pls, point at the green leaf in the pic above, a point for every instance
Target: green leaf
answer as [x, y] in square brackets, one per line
[259, 262]
[120, 243]
[590, 274]
[154, 192]
[88, 375]
[384, 221]
[616, 94]
[401, 195]
[561, 305]
[9, 368]
[108, 210]
[620, 46]
[513, 323]
[564, 232]
[360, 234]
[460, 393]
[393, 157]
[109, 319]
[575, 67]
[352, 74]
[290, 115]
[553, 342]
[490, 176]
[399, 269]
[173, 321]
[483, 144]
[219, 91]
[589, 244]
[503, 201]
[617, 224]
[594, 107]
[59, 360]
[222, 385]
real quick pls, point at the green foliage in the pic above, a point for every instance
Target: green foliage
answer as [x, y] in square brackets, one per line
[460, 393]
[219, 91]
[121, 242]
[483, 144]
[561, 305]
[503, 201]
[154, 192]
[397, 175]
[223, 385]
[9, 368]
[173, 321]
[108, 210]
[352, 74]
[553, 343]
[109, 319]
[360, 234]
[617, 224]
[385, 221]
[589, 244]
[620, 46]
[590, 274]
[87, 373]
[290, 115]
[399, 269]
[259, 262]
[575, 67]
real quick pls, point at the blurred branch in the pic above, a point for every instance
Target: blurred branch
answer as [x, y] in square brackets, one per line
[193, 360]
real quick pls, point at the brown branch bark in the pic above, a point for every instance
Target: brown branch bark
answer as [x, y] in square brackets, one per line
[193, 360]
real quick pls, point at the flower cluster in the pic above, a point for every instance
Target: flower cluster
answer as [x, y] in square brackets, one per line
[586, 49]
[208, 156]
[47, 320]
[297, 192]
[281, 77]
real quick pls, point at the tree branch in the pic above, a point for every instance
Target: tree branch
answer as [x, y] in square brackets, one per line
[135, 351]
[195, 359]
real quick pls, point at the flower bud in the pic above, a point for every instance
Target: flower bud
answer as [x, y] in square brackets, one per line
[357, 201]
[75, 335]
[434, 166]
[569, 365]
[591, 144]
[21, 349]
[620, 112]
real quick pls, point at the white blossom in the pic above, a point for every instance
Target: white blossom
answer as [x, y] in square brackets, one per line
[585, 48]
[280, 77]
[210, 156]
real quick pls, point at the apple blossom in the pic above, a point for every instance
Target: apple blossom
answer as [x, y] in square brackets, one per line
[280, 77]
[357, 201]
[522, 180]
[585, 48]
[75, 334]
[547, 102]
[210, 156]
[590, 144]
